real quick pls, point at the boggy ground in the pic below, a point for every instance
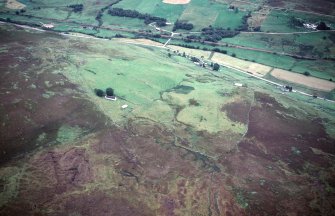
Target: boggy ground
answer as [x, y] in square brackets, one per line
[282, 165]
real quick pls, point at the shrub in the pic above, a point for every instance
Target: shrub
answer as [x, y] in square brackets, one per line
[306, 73]
[99, 92]
[322, 26]
[110, 92]
[193, 102]
[216, 67]
[77, 7]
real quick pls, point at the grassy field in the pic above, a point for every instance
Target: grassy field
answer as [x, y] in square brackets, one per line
[316, 44]
[317, 68]
[200, 13]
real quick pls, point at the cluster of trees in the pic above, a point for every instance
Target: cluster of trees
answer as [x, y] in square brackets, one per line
[195, 59]
[297, 22]
[233, 8]
[77, 7]
[216, 66]
[244, 26]
[135, 14]
[193, 37]
[322, 26]
[306, 73]
[20, 11]
[190, 38]
[182, 25]
[100, 93]
[289, 88]
[99, 16]
[102, 10]
[216, 34]
[219, 50]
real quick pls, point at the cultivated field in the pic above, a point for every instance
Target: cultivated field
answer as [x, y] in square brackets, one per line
[139, 41]
[312, 82]
[254, 68]
[14, 5]
[192, 52]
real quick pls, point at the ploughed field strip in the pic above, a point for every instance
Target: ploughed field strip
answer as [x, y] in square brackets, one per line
[190, 142]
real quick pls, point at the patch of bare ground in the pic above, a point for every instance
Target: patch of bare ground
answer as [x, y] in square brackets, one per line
[276, 168]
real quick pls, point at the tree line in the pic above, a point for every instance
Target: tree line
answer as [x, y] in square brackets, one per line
[100, 93]
[182, 25]
[216, 34]
[135, 14]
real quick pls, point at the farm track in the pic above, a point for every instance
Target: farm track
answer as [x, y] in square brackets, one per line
[163, 47]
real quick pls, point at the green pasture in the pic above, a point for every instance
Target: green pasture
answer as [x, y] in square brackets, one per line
[200, 13]
[318, 68]
[138, 81]
[121, 22]
[315, 44]
[153, 7]
[149, 86]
